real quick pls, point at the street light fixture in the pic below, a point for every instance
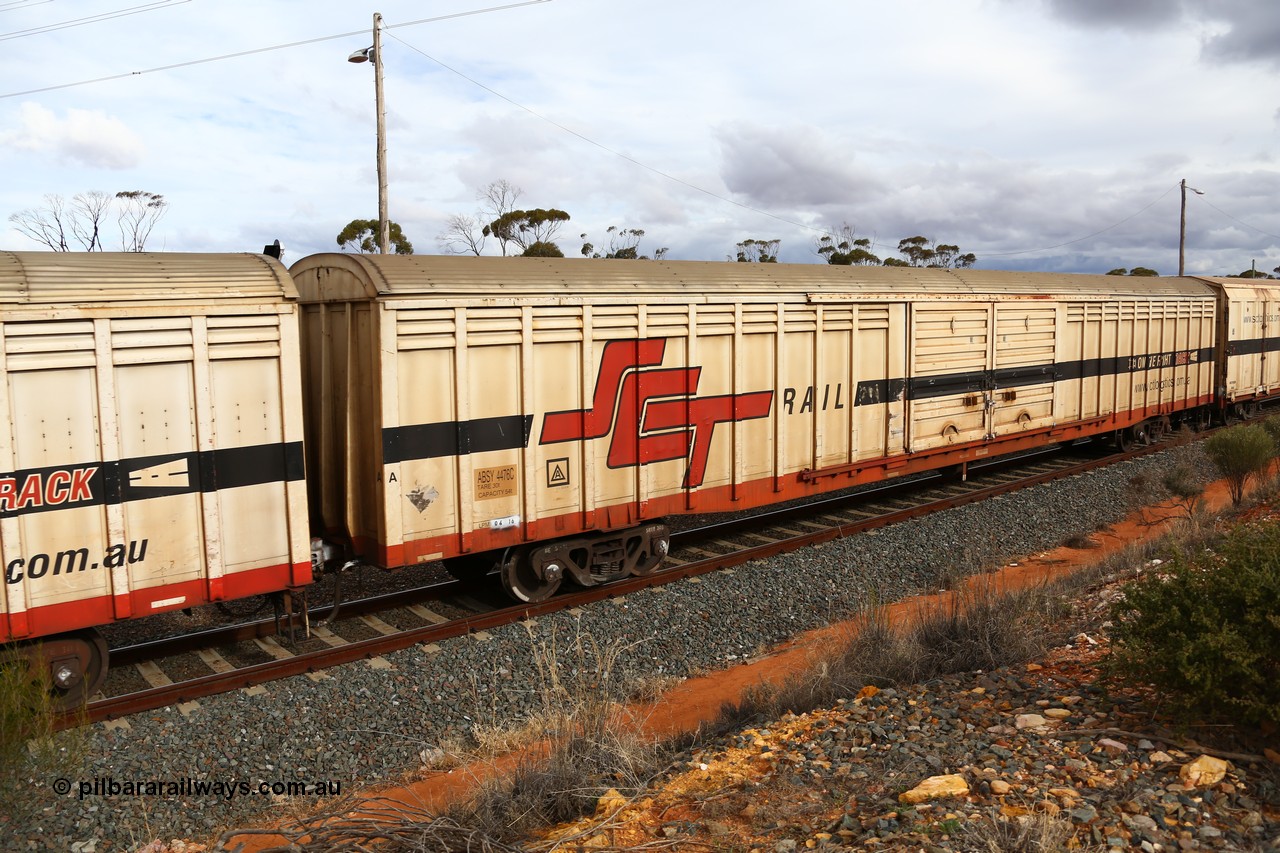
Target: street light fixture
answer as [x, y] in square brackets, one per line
[1182, 227]
[374, 54]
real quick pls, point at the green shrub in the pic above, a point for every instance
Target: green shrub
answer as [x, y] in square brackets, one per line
[1240, 453]
[1185, 486]
[32, 752]
[1272, 425]
[1206, 632]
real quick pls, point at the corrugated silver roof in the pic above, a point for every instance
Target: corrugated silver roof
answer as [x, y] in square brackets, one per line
[1234, 283]
[90, 278]
[440, 276]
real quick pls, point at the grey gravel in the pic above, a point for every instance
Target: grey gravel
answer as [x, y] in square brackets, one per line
[362, 725]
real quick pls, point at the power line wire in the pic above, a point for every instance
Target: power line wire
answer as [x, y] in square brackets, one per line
[684, 183]
[92, 19]
[16, 4]
[1085, 237]
[1238, 221]
[253, 51]
[606, 148]
[19, 5]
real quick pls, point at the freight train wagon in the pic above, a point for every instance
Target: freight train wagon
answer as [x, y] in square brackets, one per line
[151, 431]
[540, 416]
[1249, 336]
[543, 416]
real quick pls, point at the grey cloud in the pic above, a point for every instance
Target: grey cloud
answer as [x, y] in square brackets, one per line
[786, 167]
[1124, 13]
[1019, 216]
[1252, 26]
[1254, 32]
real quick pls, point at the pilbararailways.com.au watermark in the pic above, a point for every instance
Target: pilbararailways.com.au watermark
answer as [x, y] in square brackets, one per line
[230, 788]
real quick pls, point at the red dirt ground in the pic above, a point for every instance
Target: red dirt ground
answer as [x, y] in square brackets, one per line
[698, 700]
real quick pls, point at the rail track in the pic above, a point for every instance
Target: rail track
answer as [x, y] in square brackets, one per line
[183, 669]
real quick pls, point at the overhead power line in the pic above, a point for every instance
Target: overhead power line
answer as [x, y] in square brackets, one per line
[1237, 221]
[717, 196]
[606, 148]
[92, 19]
[268, 49]
[15, 5]
[1085, 237]
[18, 5]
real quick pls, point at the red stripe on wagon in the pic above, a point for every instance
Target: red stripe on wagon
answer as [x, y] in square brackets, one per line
[98, 610]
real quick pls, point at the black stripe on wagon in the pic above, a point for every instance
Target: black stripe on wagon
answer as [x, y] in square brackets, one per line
[1253, 346]
[509, 432]
[877, 391]
[948, 384]
[455, 438]
[140, 478]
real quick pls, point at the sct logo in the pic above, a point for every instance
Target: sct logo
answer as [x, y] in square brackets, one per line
[651, 411]
[41, 489]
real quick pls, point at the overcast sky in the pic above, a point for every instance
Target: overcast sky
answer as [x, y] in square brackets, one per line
[1038, 134]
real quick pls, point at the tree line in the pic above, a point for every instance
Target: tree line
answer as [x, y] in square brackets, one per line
[533, 232]
[78, 225]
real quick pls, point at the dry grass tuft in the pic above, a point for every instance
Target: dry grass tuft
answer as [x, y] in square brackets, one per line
[1039, 833]
[977, 628]
[583, 744]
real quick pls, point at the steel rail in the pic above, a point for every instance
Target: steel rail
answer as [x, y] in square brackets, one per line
[246, 631]
[356, 650]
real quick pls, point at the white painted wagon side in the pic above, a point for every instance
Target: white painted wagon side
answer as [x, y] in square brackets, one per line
[1251, 335]
[151, 438]
[1139, 356]
[463, 405]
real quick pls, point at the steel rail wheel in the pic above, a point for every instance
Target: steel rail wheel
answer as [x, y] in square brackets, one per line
[648, 562]
[526, 582]
[72, 665]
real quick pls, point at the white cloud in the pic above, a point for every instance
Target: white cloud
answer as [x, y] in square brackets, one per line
[1039, 133]
[84, 137]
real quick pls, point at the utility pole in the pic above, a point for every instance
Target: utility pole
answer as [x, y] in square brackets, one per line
[374, 55]
[384, 224]
[1182, 227]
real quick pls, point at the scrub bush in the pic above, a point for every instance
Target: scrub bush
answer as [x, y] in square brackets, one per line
[32, 752]
[1240, 453]
[1205, 630]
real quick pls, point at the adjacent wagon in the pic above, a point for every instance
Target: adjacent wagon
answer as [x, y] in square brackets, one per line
[1249, 370]
[152, 439]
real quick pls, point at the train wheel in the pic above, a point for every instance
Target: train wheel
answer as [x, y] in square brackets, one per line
[74, 665]
[650, 550]
[526, 582]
